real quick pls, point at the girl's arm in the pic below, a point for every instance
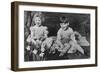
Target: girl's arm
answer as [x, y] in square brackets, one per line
[32, 29]
[45, 32]
[32, 35]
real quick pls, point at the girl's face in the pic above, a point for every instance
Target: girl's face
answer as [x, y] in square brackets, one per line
[64, 25]
[37, 21]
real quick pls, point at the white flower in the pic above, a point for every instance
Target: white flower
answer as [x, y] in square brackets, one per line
[41, 54]
[28, 47]
[35, 51]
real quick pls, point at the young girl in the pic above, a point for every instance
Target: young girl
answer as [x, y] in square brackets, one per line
[66, 38]
[38, 33]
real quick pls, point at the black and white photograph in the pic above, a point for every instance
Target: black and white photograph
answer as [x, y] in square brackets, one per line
[53, 36]
[56, 36]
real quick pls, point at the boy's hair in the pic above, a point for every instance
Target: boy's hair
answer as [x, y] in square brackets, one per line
[38, 14]
[64, 19]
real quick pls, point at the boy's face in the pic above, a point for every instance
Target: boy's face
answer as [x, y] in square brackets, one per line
[37, 21]
[64, 25]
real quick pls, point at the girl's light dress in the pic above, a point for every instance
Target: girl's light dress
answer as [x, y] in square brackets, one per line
[36, 37]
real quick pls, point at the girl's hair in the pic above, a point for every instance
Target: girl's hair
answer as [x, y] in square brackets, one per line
[38, 14]
[64, 19]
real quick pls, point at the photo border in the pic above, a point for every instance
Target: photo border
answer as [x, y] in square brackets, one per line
[15, 34]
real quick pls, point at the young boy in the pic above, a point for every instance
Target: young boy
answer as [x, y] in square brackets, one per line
[66, 37]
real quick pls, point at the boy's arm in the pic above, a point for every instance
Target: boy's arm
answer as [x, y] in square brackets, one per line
[59, 35]
[73, 36]
[59, 39]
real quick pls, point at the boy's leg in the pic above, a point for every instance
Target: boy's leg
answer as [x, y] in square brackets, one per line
[79, 48]
[65, 49]
[67, 46]
[72, 48]
[75, 47]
